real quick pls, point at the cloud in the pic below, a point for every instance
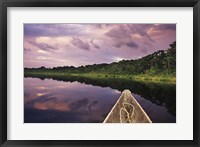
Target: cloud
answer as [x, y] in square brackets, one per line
[98, 26]
[27, 50]
[126, 30]
[51, 30]
[125, 42]
[44, 46]
[94, 44]
[122, 34]
[101, 26]
[140, 29]
[165, 27]
[118, 32]
[132, 44]
[80, 43]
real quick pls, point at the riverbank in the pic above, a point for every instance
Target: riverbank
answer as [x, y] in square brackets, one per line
[152, 78]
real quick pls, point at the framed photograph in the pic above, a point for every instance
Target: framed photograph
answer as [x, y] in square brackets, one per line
[109, 73]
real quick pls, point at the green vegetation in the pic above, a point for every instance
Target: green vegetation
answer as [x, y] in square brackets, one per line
[157, 67]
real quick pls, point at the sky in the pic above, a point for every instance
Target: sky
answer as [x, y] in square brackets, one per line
[53, 45]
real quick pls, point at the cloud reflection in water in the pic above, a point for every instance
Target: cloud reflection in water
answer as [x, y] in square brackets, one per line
[66, 102]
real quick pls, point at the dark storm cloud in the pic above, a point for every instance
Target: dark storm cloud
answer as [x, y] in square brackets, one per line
[80, 43]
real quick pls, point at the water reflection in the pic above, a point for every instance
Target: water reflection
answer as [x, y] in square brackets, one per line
[89, 100]
[66, 101]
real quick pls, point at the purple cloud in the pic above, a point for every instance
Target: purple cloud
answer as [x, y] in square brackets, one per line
[122, 36]
[165, 27]
[125, 42]
[119, 32]
[36, 30]
[94, 44]
[80, 43]
[132, 44]
[126, 30]
[43, 46]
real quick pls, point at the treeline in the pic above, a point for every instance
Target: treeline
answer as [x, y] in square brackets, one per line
[160, 61]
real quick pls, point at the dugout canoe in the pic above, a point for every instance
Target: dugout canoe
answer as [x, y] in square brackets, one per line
[127, 110]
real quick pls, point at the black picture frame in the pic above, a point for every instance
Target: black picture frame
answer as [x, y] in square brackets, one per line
[4, 4]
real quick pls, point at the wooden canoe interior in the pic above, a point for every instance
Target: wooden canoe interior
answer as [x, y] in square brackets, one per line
[127, 110]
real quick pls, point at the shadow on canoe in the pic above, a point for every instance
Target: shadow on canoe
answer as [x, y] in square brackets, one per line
[127, 110]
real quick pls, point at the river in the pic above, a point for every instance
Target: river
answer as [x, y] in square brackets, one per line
[82, 100]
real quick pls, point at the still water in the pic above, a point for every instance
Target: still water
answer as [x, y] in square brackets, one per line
[81, 100]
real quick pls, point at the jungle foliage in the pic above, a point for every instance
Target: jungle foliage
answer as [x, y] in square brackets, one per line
[162, 63]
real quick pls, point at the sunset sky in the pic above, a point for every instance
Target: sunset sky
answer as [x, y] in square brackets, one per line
[52, 45]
